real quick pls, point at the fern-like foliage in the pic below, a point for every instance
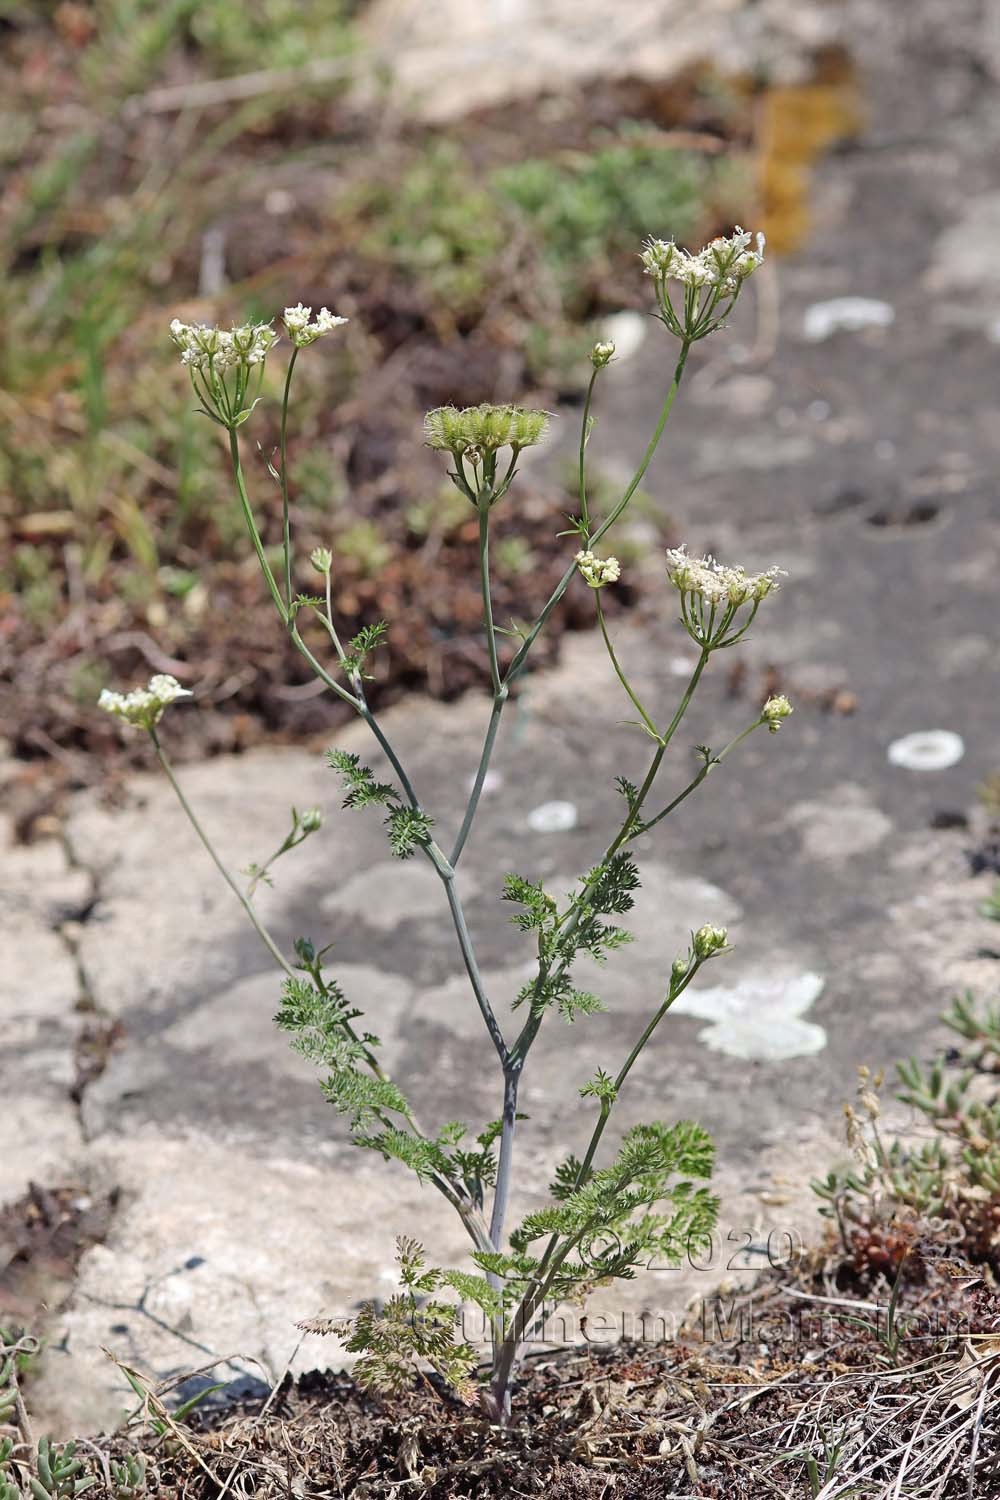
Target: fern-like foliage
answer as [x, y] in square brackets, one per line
[415, 1326]
[362, 790]
[605, 890]
[368, 638]
[408, 829]
[604, 1222]
[319, 1022]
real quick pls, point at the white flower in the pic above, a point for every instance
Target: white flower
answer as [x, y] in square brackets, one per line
[602, 353]
[662, 258]
[301, 331]
[296, 318]
[597, 571]
[144, 707]
[717, 584]
[729, 261]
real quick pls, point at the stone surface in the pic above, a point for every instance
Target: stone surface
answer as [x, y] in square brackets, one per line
[866, 465]
[39, 993]
[449, 56]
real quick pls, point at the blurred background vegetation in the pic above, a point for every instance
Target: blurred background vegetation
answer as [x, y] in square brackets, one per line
[475, 263]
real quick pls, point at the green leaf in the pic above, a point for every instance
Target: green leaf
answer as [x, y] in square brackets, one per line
[566, 1176]
[579, 1003]
[187, 1407]
[362, 788]
[362, 1096]
[408, 829]
[601, 1086]
[540, 909]
[473, 1289]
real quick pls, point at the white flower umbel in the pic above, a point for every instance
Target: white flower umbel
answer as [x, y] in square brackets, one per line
[303, 330]
[220, 349]
[712, 280]
[712, 595]
[598, 571]
[144, 707]
[220, 362]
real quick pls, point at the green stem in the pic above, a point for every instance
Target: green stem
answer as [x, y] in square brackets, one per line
[247, 906]
[331, 627]
[688, 694]
[480, 781]
[693, 785]
[517, 665]
[285, 523]
[584, 435]
[484, 575]
[472, 969]
[530, 1304]
[319, 669]
[633, 696]
[248, 516]
[571, 917]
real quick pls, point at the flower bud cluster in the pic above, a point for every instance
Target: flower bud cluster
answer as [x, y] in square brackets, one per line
[304, 332]
[220, 349]
[775, 710]
[475, 430]
[602, 354]
[321, 559]
[143, 707]
[598, 571]
[708, 941]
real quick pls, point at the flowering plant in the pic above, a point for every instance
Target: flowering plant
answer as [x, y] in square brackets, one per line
[648, 1199]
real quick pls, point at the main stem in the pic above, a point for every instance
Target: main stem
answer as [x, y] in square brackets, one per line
[526, 1313]
[501, 1195]
[504, 1357]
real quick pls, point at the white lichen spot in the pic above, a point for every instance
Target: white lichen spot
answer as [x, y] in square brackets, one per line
[845, 315]
[627, 331]
[760, 1016]
[842, 826]
[553, 817]
[492, 782]
[927, 750]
